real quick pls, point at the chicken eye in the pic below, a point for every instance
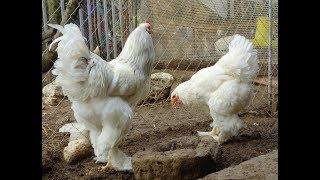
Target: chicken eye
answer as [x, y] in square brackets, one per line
[174, 96]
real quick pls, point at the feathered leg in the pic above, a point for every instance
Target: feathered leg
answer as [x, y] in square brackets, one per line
[214, 133]
[225, 127]
[105, 141]
[94, 131]
[117, 159]
[94, 134]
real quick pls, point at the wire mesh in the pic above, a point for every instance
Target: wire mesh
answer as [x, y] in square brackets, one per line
[188, 36]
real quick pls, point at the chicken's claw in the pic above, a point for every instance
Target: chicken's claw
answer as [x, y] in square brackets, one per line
[214, 133]
[106, 167]
[98, 160]
[215, 137]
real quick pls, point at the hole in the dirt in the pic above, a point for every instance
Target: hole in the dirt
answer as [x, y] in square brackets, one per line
[245, 137]
[251, 136]
[187, 157]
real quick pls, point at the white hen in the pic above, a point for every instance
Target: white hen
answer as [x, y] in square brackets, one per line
[103, 94]
[224, 89]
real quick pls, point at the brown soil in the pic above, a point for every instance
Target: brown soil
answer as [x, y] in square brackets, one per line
[157, 123]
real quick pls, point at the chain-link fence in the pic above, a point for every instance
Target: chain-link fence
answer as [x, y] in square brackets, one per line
[188, 36]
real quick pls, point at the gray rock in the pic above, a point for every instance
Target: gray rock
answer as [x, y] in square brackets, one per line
[160, 86]
[79, 145]
[52, 94]
[76, 150]
[176, 159]
[261, 167]
[52, 89]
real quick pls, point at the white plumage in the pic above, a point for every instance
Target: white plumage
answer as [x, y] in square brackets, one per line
[223, 89]
[103, 94]
[75, 129]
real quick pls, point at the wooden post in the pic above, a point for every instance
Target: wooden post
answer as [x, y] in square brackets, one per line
[90, 24]
[106, 27]
[121, 22]
[53, 8]
[98, 5]
[71, 8]
[130, 14]
[114, 38]
[94, 23]
[126, 24]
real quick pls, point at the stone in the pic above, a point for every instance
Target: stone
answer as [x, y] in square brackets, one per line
[160, 86]
[51, 101]
[261, 167]
[79, 145]
[176, 159]
[52, 94]
[77, 150]
[52, 89]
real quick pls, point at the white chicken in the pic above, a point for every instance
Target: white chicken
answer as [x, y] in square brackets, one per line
[104, 94]
[223, 89]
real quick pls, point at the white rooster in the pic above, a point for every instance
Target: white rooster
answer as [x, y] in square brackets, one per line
[103, 94]
[224, 89]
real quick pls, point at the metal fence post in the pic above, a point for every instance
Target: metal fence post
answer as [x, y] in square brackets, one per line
[81, 21]
[62, 8]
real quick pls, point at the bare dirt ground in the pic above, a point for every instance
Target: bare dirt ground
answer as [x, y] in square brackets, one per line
[156, 123]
